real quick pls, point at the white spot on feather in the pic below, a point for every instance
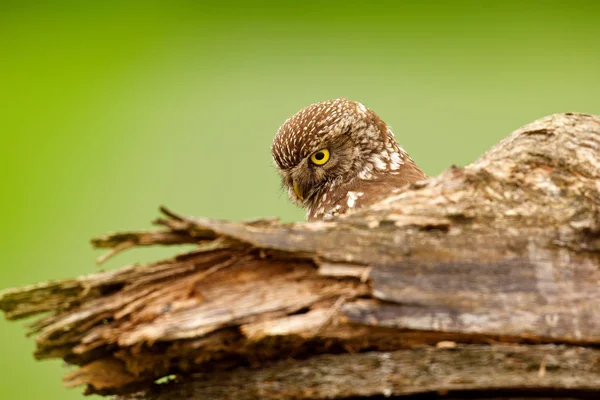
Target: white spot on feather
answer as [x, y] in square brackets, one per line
[378, 162]
[396, 161]
[366, 173]
[352, 197]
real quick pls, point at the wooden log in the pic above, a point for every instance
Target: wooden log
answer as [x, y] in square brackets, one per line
[548, 370]
[485, 279]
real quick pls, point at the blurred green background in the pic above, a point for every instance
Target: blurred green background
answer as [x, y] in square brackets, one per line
[109, 109]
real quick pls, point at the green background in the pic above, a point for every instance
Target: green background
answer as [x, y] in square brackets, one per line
[108, 109]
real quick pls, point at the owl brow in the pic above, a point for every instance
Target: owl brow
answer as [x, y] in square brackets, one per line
[329, 143]
[325, 144]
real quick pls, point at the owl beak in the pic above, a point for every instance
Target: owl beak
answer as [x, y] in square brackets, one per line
[297, 190]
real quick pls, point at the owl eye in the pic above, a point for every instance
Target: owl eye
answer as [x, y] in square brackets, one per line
[320, 157]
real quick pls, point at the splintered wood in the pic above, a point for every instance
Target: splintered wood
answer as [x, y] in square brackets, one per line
[483, 281]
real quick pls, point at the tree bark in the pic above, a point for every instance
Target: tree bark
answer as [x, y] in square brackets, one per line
[481, 282]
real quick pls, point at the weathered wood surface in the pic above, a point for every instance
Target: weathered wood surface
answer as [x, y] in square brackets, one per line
[402, 372]
[506, 250]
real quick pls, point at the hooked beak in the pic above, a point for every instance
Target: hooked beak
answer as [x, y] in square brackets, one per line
[297, 190]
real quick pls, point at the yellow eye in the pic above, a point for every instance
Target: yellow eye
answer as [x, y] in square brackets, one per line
[320, 157]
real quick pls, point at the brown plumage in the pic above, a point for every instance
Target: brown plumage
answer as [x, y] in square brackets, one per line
[337, 155]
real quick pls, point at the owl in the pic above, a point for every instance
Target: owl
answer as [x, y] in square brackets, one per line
[336, 156]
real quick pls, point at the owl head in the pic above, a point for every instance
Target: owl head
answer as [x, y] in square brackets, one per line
[332, 148]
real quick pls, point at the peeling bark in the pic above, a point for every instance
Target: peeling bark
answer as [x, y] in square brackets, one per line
[485, 279]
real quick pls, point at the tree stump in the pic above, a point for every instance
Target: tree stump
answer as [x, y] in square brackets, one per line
[481, 282]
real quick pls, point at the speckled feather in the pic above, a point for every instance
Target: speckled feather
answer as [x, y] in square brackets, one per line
[366, 164]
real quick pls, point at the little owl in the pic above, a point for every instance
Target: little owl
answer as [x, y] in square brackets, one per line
[337, 155]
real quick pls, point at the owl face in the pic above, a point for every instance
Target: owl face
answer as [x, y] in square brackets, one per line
[325, 163]
[328, 149]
